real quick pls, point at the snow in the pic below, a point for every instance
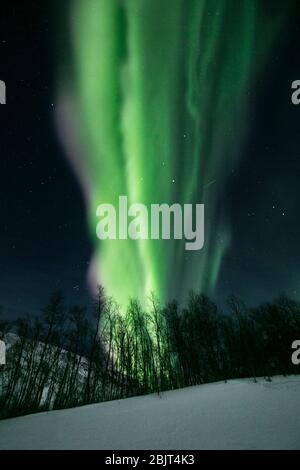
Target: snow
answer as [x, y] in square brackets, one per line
[239, 414]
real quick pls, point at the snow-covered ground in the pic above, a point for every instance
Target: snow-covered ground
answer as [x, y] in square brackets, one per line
[239, 414]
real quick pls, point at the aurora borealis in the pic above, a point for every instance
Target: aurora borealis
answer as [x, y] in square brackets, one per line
[251, 183]
[154, 107]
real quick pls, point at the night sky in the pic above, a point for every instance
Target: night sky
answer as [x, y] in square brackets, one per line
[44, 240]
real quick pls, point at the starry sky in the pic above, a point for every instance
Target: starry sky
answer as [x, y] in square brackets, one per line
[45, 242]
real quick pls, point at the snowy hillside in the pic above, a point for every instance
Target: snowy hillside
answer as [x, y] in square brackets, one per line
[239, 414]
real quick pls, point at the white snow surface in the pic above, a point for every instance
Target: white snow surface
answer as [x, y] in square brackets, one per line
[239, 414]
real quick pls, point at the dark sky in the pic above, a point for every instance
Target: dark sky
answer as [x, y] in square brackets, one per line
[43, 236]
[264, 196]
[44, 242]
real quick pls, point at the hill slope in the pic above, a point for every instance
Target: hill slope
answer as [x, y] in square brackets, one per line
[239, 414]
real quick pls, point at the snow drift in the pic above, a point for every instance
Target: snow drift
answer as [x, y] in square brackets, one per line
[239, 414]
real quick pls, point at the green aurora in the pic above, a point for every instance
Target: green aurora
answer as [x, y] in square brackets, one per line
[159, 92]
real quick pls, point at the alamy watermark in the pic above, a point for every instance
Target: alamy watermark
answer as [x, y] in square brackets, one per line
[2, 92]
[159, 221]
[2, 353]
[296, 92]
[296, 354]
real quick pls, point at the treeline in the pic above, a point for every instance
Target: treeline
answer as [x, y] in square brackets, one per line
[63, 359]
